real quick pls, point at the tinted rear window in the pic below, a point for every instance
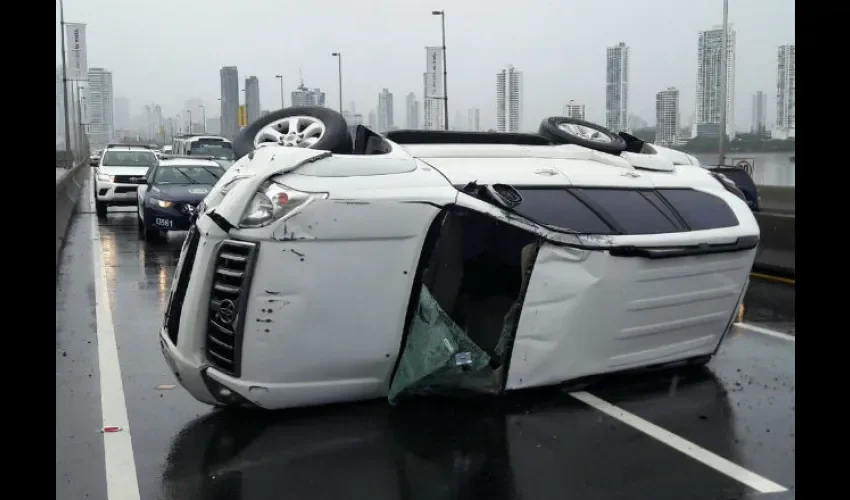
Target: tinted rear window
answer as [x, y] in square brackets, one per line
[630, 210]
[119, 158]
[700, 210]
[557, 207]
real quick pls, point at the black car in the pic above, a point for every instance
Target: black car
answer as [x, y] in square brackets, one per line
[172, 191]
[742, 181]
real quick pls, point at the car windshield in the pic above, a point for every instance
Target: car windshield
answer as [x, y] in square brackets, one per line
[218, 150]
[188, 174]
[128, 159]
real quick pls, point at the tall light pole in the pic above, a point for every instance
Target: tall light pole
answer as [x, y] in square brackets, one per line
[338, 55]
[190, 120]
[442, 15]
[203, 117]
[724, 60]
[280, 77]
[64, 76]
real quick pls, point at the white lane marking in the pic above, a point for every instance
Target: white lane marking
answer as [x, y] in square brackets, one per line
[716, 462]
[121, 480]
[767, 331]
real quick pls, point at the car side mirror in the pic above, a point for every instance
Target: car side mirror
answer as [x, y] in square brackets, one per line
[93, 163]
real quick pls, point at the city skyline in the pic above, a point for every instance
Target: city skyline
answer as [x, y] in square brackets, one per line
[657, 61]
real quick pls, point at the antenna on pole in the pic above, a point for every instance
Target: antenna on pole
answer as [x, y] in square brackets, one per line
[300, 76]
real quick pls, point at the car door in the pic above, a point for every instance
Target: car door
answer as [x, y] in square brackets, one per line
[142, 191]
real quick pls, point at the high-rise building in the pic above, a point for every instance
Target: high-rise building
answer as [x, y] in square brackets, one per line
[617, 88]
[433, 89]
[709, 83]
[229, 101]
[759, 124]
[385, 111]
[122, 113]
[460, 120]
[574, 110]
[302, 96]
[373, 120]
[252, 98]
[101, 123]
[412, 107]
[786, 119]
[474, 119]
[509, 100]
[214, 125]
[667, 116]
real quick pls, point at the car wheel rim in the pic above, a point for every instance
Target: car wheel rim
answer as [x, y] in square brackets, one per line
[586, 133]
[292, 131]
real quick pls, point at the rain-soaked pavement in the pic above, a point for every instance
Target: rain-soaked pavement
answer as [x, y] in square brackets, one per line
[738, 416]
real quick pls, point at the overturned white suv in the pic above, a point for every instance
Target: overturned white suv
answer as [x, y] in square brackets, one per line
[332, 264]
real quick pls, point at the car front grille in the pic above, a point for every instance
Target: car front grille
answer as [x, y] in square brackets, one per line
[175, 303]
[228, 299]
[129, 179]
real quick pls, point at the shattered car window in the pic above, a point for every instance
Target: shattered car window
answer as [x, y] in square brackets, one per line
[438, 353]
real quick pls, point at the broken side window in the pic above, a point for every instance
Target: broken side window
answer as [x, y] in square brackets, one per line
[462, 329]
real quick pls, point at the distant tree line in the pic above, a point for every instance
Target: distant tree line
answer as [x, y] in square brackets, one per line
[743, 143]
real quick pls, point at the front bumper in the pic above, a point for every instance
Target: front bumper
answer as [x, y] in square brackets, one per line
[166, 219]
[116, 194]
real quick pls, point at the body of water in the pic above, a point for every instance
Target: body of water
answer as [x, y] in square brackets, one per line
[771, 169]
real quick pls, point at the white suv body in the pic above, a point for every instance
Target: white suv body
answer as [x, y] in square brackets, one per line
[321, 302]
[120, 171]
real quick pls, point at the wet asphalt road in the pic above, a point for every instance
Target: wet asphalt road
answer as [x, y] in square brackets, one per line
[544, 445]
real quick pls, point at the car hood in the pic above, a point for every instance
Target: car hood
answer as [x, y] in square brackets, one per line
[181, 192]
[110, 170]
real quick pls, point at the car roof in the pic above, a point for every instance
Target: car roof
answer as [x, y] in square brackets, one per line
[128, 148]
[188, 162]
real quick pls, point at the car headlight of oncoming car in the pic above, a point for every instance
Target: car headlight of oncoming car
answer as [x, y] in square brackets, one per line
[275, 201]
[106, 178]
[155, 202]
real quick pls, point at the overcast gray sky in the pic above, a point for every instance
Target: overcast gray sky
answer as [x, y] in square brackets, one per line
[167, 51]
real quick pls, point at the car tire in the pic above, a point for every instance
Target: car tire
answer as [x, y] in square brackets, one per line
[151, 235]
[556, 129]
[100, 208]
[334, 138]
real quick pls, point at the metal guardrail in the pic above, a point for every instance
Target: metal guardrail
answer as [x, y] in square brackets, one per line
[68, 194]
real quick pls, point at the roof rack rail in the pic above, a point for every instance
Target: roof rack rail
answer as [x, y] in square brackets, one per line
[127, 145]
[451, 137]
[169, 156]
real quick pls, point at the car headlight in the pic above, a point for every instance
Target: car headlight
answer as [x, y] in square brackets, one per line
[155, 202]
[105, 178]
[275, 201]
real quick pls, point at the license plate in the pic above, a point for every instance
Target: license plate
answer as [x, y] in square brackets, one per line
[163, 222]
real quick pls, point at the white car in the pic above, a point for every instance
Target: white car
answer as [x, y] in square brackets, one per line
[118, 174]
[360, 266]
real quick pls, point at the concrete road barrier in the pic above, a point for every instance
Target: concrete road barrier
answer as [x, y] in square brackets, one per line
[777, 199]
[68, 193]
[776, 253]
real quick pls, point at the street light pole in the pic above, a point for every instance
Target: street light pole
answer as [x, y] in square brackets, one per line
[338, 55]
[64, 76]
[190, 120]
[203, 117]
[442, 15]
[280, 77]
[724, 60]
